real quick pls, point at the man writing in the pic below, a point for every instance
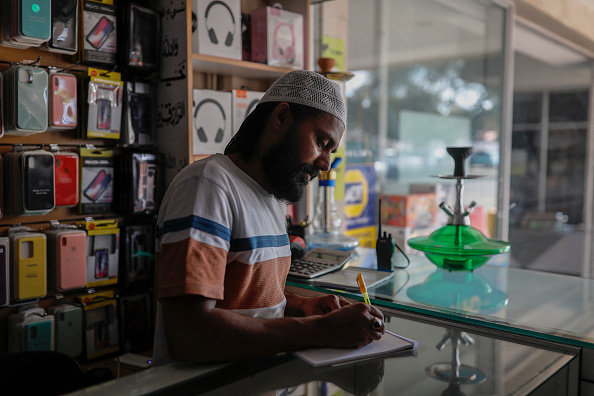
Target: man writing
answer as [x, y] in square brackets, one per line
[224, 253]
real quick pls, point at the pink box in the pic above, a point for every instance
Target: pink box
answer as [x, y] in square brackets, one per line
[277, 37]
[412, 210]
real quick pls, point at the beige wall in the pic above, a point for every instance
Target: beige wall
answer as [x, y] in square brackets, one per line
[571, 19]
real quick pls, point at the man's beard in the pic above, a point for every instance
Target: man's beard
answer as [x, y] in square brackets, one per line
[282, 170]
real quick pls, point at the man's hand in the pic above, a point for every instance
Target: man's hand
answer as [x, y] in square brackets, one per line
[306, 306]
[323, 304]
[351, 326]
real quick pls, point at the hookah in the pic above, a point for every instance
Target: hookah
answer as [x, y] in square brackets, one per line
[458, 246]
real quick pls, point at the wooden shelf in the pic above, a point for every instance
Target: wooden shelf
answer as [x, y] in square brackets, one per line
[233, 67]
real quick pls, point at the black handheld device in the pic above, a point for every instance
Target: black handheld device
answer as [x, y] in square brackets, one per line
[384, 246]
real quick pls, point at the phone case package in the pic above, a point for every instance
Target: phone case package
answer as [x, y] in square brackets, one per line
[25, 23]
[31, 329]
[139, 183]
[29, 264]
[103, 104]
[68, 320]
[4, 271]
[31, 173]
[139, 114]
[63, 113]
[27, 111]
[11, 176]
[101, 334]
[67, 257]
[38, 182]
[64, 37]
[1, 104]
[138, 255]
[66, 176]
[136, 327]
[98, 32]
[96, 176]
[140, 45]
[103, 250]
[1, 187]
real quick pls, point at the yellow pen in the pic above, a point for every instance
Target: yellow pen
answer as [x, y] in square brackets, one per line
[362, 287]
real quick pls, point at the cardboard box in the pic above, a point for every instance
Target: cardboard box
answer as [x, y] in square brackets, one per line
[218, 30]
[412, 210]
[242, 104]
[444, 192]
[277, 37]
[212, 121]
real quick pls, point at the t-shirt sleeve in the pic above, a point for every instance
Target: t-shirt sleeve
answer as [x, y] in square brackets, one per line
[194, 231]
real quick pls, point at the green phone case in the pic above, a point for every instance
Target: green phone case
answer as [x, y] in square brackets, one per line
[31, 93]
[36, 19]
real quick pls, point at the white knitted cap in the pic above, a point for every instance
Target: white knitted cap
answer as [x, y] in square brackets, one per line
[310, 89]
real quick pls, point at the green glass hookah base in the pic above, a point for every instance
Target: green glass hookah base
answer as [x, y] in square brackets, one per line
[466, 291]
[458, 247]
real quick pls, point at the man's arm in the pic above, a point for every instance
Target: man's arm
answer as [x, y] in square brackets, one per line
[198, 331]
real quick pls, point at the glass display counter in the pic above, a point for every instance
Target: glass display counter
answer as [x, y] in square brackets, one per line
[446, 361]
[543, 305]
[517, 304]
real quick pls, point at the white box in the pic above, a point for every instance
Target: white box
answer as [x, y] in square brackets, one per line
[277, 37]
[211, 121]
[219, 28]
[243, 103]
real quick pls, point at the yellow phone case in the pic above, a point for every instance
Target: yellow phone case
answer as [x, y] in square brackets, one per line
[30, 266]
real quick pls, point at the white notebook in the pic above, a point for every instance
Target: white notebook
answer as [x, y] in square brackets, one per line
[346, 279]
[389, 344]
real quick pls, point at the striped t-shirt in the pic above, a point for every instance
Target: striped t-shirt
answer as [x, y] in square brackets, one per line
[222, 236]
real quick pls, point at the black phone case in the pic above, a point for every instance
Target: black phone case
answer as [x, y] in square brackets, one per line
[38, 188]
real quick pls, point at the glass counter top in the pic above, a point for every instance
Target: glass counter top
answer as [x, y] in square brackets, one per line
[446, 361]
[538, 304]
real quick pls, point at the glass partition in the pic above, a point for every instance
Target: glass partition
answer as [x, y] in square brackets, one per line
[549, 155]
[427, 74]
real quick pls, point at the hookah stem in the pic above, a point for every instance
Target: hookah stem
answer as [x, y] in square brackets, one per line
[455, 362]
[458, 211]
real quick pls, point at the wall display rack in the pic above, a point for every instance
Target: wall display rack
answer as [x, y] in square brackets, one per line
[68, 215]
[180, 72]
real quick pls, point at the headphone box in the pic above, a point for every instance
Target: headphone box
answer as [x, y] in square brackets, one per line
[218, 30]
[212, 121]
[242, 104]
[277, 37]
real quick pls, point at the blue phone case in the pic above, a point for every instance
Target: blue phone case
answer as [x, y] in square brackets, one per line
[38, 336]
